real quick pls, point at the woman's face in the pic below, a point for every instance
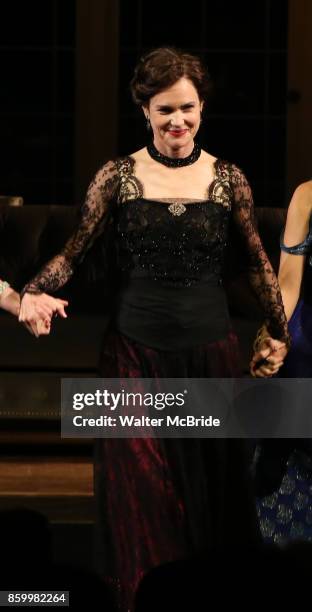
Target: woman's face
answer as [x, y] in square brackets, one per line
[174, 115]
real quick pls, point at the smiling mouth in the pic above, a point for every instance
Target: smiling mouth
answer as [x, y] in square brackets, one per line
[177, 132]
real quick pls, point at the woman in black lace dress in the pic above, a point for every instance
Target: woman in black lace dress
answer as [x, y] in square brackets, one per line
[171, 204]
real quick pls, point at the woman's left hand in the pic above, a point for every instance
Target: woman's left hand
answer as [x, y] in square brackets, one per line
[267, 361]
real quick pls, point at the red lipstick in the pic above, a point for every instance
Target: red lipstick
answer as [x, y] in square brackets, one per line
[177, 133]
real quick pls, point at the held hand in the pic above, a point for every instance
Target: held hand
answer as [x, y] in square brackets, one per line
[10, 300]
[40, 328]
[267, 361]
[37, 311]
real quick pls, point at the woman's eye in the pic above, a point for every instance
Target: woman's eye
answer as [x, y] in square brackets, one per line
[167, 110]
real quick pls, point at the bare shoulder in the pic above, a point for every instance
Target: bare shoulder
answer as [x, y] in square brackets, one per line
[206, 158]
[207, 162]
[304, 192]
[302, 198]
[139, 155]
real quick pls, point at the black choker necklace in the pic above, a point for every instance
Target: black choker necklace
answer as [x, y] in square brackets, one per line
[174, 162]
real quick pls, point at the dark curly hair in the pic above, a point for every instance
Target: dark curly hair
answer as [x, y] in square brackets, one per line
[163, 67]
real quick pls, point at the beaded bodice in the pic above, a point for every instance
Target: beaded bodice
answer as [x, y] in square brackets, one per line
[174, 241]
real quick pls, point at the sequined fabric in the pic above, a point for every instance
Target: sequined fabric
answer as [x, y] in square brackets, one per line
[287, 513]
[174, 162]
[174, 249]
[303, 248]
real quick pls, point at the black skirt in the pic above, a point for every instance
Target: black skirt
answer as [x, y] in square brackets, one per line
[160, 500]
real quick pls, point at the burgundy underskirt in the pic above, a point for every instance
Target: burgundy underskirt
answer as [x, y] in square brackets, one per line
[159, 500]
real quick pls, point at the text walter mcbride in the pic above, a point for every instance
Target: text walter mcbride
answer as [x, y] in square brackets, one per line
[169, 421]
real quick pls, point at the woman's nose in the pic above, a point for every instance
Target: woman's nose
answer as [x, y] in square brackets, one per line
[177, 119]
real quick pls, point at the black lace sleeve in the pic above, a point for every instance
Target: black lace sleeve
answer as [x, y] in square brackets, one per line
[92, 219]
[261, 274]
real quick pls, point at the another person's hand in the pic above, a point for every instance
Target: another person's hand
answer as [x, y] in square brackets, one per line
[41, 328]
[37, 310]
[268, 359]
[9, 299]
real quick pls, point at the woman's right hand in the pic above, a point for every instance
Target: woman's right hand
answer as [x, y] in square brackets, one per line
[37, 310]
[269, 358]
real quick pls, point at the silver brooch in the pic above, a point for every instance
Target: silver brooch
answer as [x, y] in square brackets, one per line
[177, 209]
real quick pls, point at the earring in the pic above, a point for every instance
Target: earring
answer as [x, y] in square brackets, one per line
[148, 124]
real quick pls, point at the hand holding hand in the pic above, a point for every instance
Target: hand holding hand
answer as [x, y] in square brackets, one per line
[268, 359]
[37, 311]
